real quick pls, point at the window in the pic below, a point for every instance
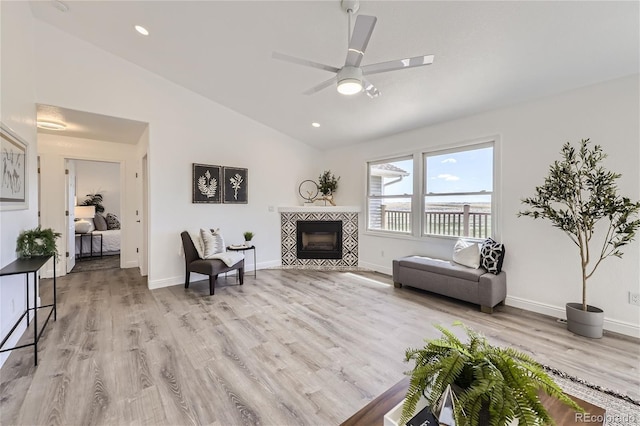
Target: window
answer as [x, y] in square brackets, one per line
[458, 190]
[390, 193]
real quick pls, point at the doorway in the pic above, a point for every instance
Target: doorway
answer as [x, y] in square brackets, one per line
[94, 199]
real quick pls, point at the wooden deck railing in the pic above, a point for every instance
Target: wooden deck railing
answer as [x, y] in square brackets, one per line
[457, 223]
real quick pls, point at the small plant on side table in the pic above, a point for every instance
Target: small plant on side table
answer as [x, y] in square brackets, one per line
[248, 236]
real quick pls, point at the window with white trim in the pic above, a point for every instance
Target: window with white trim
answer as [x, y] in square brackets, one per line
[458, 191]
[390, 195]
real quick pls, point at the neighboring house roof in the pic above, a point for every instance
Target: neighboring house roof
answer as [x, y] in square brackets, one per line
[388, 170]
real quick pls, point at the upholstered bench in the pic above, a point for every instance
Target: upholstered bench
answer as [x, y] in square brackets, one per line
[471, 284]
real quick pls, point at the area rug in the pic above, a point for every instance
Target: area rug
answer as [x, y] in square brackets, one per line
[621, 410]
[97, 263]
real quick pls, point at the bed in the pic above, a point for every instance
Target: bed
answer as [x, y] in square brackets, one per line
[110, 243]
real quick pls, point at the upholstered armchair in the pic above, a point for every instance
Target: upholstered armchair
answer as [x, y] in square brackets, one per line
[210, 267]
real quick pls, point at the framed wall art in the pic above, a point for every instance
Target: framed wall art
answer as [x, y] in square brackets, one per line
[13, 153]
[207, 187]
[235, 185]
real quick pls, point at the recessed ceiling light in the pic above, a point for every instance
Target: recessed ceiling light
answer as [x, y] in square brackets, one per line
[51, 125]
[142, 30]
[62, 7]
[314, 124]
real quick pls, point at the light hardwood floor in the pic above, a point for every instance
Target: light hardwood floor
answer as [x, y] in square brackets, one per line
[290, 347]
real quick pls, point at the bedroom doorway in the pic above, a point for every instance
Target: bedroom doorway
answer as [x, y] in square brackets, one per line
[94, 195]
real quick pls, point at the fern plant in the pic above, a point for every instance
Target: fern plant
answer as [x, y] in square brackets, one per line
[500, 382]
[37, 242]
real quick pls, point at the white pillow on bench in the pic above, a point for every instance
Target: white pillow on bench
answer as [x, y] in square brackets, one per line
[467, 253]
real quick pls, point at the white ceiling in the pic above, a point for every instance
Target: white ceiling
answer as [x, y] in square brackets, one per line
[487, 55]
[87, 125]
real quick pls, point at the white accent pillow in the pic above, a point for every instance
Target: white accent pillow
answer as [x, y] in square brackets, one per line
[230, 258]
[467, 253]
[197, 241]
[213, 243]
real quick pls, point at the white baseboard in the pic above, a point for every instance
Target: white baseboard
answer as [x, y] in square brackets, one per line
[168, 282]
[616, 326]
[266, 265]
[130, 264]
[377, 268]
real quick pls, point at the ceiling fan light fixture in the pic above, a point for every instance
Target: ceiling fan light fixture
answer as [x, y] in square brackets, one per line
[349, 86]
[51, 125]
[349, 80]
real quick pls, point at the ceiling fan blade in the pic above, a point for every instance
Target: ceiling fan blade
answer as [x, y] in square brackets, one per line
[370, 89]
[319, 87]
[305, 62]
[398, 64]
[360, 39]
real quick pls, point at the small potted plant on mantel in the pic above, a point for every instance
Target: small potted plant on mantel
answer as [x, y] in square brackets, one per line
[327, 185]
[580, 197]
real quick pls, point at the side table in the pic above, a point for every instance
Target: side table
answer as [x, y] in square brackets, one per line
[27, 266]
[243, 249]
[90, 235]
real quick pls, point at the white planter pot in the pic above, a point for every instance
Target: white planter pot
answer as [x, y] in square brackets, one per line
[587, 323]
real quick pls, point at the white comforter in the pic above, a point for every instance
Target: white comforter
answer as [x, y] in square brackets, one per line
[110, 242]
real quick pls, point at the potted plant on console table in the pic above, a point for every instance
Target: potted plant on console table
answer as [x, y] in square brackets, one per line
[576, 196]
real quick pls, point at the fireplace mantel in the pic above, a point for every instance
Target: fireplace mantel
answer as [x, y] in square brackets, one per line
[320, 209]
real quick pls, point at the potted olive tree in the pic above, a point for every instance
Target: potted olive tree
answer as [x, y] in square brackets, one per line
[580, 197]
[493, 385]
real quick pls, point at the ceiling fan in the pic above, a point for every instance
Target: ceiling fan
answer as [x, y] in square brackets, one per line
[350, 78]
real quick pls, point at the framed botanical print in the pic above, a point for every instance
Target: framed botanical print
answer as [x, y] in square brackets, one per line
[207, 187]
[235, 185]
[13, 153]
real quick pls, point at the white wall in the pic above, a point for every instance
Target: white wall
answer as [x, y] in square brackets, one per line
[18, 112]
[53, 150]
[99, 177]
[542, 264]
[184, 128]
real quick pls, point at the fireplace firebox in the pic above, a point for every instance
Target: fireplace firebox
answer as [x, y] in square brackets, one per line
[319, 239]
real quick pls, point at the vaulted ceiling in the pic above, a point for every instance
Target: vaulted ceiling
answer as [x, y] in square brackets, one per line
[487, 55]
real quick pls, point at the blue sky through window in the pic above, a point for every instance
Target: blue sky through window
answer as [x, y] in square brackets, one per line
[464, 171]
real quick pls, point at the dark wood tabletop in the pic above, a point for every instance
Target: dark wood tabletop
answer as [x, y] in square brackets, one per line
[373, 413]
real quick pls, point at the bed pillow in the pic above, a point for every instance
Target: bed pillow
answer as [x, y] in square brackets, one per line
[213, 243]
[467, 253]
[492, 255]
[100, 222]
[112, 221]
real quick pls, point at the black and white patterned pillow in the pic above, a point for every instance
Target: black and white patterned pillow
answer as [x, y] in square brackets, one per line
[492, 256]
[112, 221]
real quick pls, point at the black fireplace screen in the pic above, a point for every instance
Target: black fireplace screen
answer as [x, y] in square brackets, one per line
[319, 239]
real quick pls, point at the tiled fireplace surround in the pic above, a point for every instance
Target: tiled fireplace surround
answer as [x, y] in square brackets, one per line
[289, 216]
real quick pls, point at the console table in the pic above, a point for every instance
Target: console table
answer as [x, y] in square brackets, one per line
[373, 413]
[25, 267]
